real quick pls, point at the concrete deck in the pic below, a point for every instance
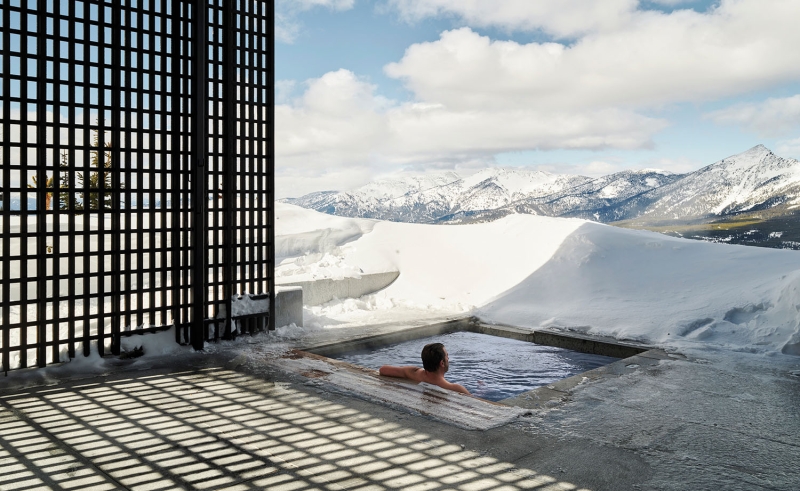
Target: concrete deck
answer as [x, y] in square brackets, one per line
[228, 420]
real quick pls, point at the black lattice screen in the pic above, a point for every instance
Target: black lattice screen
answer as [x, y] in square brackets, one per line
[111, 191]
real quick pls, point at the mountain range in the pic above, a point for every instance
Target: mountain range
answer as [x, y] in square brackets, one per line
[754, 186]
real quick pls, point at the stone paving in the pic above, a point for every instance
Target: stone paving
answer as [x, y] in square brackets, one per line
[218, 429]
[224, 420]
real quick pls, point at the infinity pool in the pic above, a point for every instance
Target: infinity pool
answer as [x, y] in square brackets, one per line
[490, 367]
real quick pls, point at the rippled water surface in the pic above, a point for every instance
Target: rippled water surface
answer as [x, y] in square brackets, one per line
[490, 367]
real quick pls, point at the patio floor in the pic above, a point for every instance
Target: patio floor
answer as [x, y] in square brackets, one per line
[228, 420]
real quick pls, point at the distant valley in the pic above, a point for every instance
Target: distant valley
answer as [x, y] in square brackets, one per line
[751, 198]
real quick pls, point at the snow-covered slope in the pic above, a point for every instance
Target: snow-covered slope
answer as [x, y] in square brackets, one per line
[534, 271]
[643, 286]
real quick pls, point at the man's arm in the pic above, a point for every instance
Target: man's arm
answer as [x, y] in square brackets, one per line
[455, 387]
[399, 372]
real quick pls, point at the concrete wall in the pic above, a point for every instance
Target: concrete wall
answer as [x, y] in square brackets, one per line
[320, 291]
[288, 306]
[571, 341]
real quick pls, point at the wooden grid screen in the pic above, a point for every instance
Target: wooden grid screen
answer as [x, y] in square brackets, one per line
[96, 178]
[241, 233]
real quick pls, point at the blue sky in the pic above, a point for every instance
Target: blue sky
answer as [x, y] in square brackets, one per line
[370, 88]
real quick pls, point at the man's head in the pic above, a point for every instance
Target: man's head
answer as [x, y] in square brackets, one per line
[433, 356]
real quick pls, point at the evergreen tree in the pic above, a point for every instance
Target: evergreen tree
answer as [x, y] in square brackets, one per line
[63, 201]
[100, 179]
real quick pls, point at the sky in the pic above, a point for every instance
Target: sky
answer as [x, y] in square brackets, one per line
[367, 89]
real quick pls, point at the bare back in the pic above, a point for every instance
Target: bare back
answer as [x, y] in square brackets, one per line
[421, 375]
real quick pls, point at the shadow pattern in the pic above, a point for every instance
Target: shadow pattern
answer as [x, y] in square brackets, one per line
[220, 429]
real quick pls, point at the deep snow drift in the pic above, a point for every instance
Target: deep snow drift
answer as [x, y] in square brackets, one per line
[532, 271]
[526, 271]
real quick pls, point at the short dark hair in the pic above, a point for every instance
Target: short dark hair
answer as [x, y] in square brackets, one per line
[432, 356]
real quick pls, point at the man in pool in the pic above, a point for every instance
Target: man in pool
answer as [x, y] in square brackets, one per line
[435, 362]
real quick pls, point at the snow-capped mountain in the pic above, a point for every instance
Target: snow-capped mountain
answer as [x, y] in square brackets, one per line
[752, 180]
[427, 200]
[583, 200]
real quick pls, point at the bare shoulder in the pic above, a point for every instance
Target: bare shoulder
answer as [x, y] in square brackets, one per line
[415, 373]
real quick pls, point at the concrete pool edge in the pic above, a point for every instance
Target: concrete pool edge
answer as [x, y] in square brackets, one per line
[553, 395]
[459, 410]
[572, 341]
[632, 355]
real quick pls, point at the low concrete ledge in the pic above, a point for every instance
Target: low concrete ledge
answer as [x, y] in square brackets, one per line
[571, 341]
[559, 392]
[575, 342]
[470, 413]
[322, 291]
[288, 306]
[380, 340]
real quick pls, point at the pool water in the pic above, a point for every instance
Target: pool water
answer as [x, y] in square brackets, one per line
[490, 367]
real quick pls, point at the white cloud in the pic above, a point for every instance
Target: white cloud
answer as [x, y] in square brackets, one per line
[672, 3]
[297, 181]
[475, 97]
[284, 90]
[598, 168]
[593, 168]
[323, 140]
[789, 148]
[436, 131]
[560, 18]
[337, 120]
[331, 4]
[773, 117]
[680, 165]
[654, 59]
[612, 164]
[340, 122]
[287, 26]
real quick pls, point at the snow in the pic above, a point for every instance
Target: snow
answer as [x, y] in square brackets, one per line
[443, 268]
[394, 187]
[307, 246]
[425, 198]
[248, 304]
[569, 274]
[514, 180]
[154, 344]
[531, 272]
[657, 289]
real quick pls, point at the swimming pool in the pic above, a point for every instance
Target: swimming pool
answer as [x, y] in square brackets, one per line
[490, 367]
